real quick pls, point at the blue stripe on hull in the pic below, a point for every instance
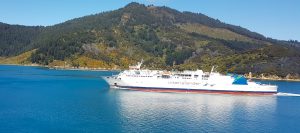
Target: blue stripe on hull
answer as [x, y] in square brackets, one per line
[194, 90]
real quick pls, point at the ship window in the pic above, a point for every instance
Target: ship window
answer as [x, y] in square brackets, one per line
[205, 77]
[165, 76]
[137, 72]
[196, 76]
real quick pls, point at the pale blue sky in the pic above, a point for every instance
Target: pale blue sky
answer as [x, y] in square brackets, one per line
[279, 19]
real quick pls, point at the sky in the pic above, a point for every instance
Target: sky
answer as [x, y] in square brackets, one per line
[278, 19]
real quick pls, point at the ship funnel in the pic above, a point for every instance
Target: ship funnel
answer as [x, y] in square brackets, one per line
[137, 67]
[140, 64]
[212, 69]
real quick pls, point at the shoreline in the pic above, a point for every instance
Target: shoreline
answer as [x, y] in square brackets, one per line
[64, 68]
[272, 79]
[105, 69]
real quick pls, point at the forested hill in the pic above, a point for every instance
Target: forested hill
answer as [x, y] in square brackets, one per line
[165, 38]
[16, 39]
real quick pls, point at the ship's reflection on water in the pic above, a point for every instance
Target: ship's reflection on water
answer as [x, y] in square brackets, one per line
[195, 112]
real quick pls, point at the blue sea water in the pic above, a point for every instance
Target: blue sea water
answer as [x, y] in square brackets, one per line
[35, 99]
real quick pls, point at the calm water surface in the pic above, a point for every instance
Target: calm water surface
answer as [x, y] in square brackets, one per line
[34, 99]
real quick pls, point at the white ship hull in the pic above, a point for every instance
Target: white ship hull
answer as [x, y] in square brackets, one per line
[186, 81]
[188, 86]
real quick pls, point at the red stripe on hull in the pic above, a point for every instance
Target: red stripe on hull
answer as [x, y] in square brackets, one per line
[202, 91]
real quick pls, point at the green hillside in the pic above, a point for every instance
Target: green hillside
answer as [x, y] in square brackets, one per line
[17, 39]
[165, 38]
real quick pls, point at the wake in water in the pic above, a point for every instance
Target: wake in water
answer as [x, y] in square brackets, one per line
[287, 94]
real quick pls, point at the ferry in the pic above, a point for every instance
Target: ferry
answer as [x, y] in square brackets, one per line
[186, 82]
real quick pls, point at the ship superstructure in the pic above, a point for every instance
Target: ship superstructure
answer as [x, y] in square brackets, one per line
[186, 81]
